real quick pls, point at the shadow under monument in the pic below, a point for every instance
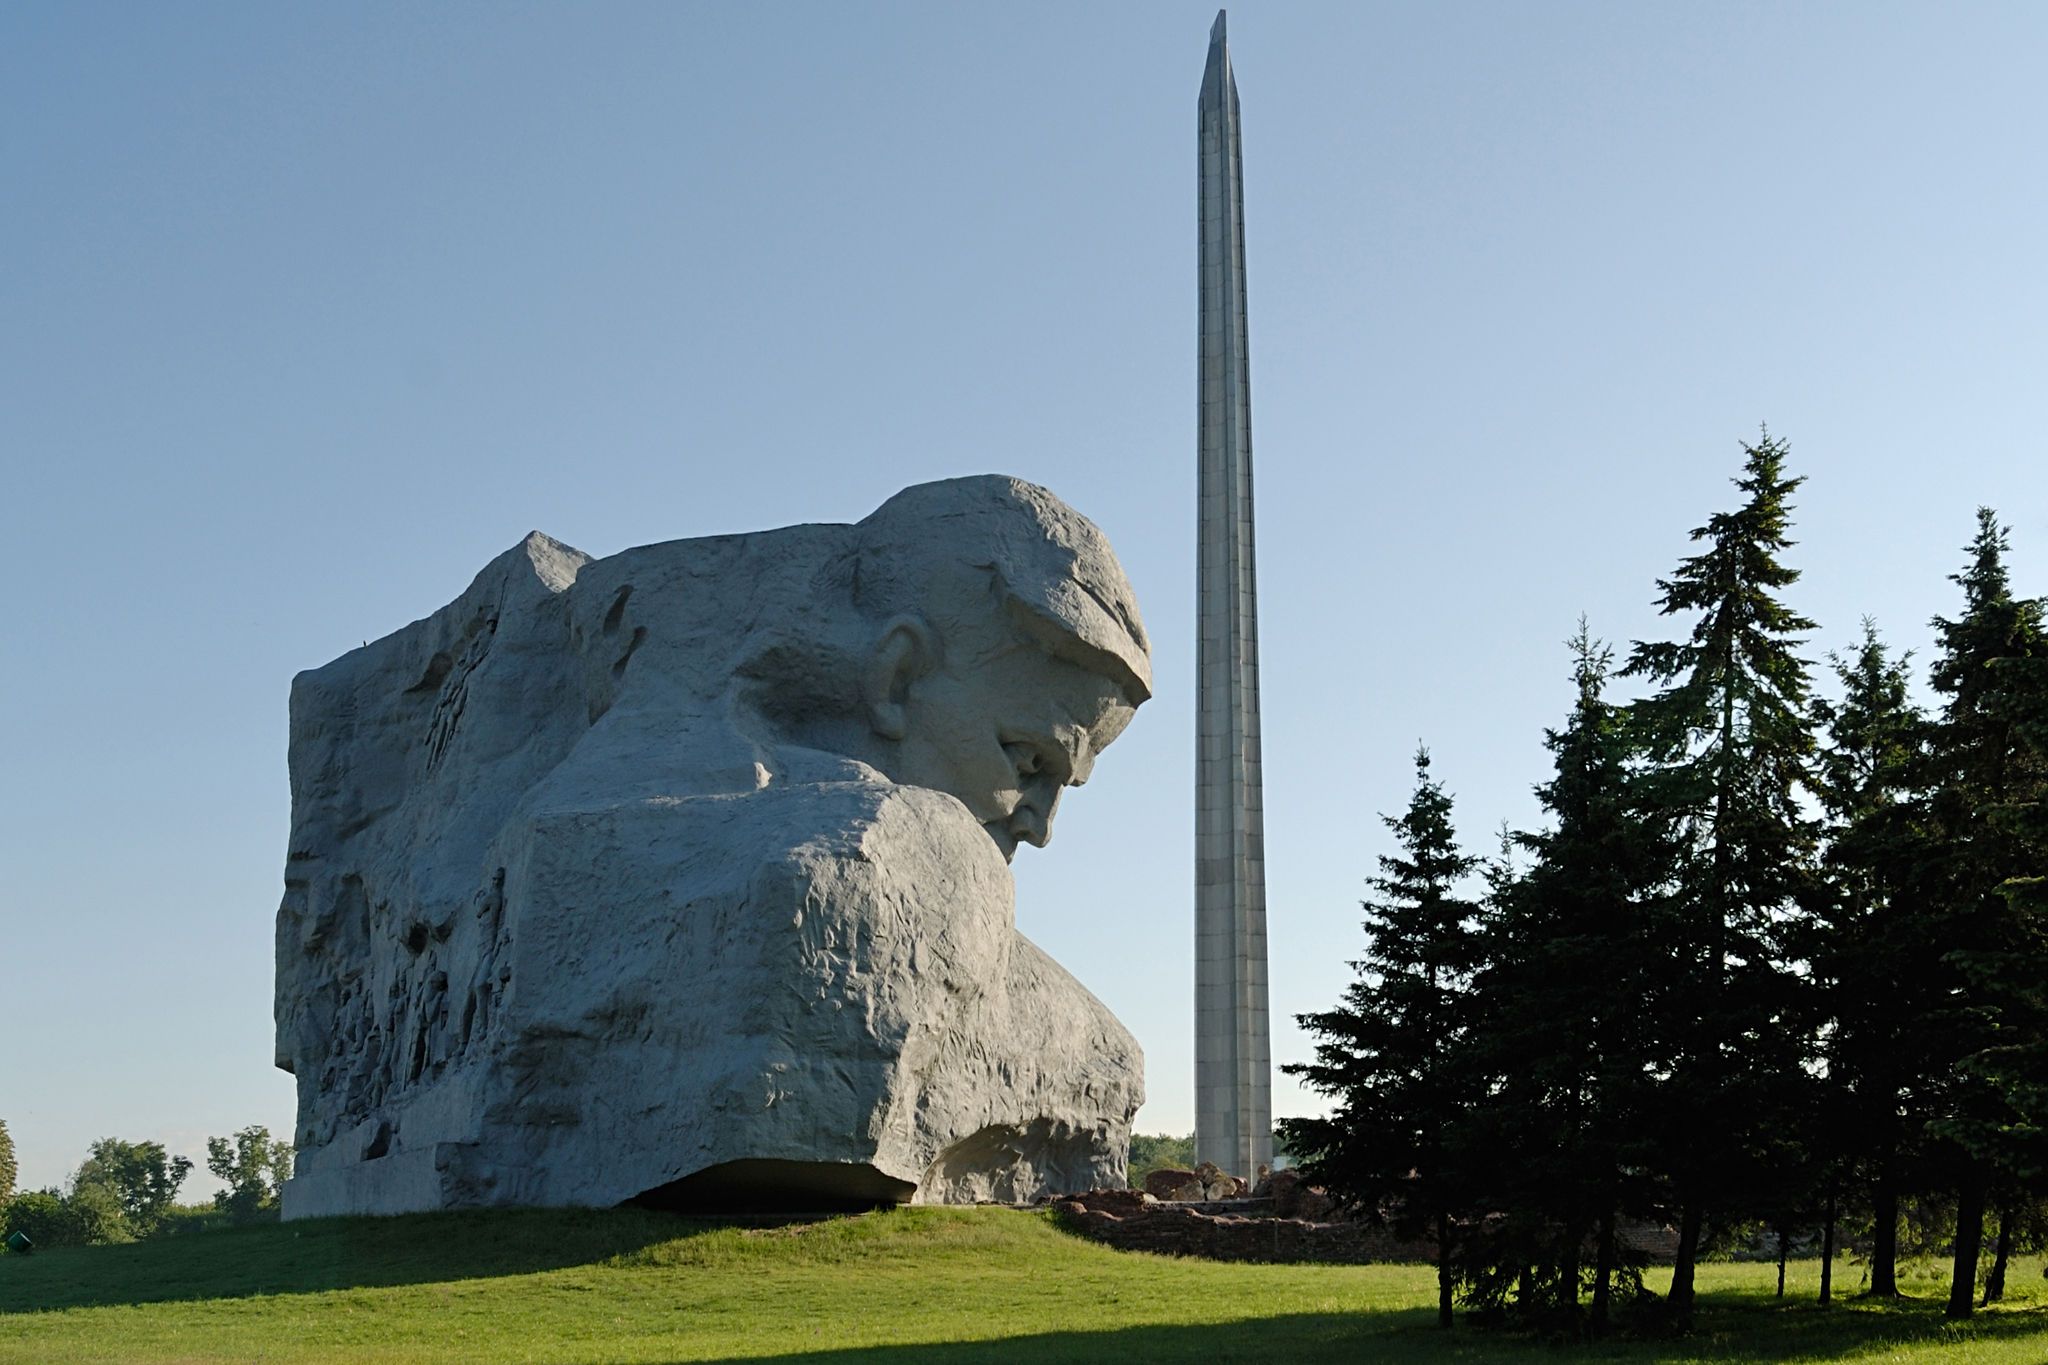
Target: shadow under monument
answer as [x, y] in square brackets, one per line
[759, 1186]
[316, 1255]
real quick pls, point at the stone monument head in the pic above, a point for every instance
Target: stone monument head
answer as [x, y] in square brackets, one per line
[669, 875]
[993, 649]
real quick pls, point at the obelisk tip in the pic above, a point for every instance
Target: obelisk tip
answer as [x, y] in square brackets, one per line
[1216, 34]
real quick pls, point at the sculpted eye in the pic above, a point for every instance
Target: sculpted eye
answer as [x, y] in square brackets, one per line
[1025, 758]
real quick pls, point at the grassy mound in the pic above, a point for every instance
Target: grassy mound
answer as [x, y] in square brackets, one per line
[915, 1285]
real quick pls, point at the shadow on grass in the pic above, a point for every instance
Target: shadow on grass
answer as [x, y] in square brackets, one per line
[1750, 1332]
[366, 1253]
[332, 1253]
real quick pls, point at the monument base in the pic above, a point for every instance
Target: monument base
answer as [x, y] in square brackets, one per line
[764, 1186]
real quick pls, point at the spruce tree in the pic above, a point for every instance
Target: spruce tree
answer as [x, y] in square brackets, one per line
[1729, 732]
[2013, 977]
[9, 1172]
[1563, 1029]
[1982, 771]
[1390, 1053]
[1871, 948]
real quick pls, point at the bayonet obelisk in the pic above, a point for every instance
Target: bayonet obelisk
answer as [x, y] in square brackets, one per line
[1233, 1054]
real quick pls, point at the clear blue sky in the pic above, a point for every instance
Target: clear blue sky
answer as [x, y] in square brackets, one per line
[306, 312]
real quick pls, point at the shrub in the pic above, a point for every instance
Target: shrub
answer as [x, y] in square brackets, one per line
[89, 1216]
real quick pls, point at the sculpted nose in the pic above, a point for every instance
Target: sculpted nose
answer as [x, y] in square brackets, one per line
[1031, 822]
[1028, 826]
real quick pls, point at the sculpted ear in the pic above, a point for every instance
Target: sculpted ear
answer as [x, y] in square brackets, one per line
[904, 654]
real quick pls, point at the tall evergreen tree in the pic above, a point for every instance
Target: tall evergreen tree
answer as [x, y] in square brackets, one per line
[8, 1171]
[1729, 732]
[1563, 1024]
[1871, 948]
[2014, 976]
[1389, 1054]
[1981, 768]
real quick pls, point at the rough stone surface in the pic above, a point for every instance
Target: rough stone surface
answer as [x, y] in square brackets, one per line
[1293, 1198]
[683, 874]
[1218, 1184]
[1172, 1182]
[1205, 1182]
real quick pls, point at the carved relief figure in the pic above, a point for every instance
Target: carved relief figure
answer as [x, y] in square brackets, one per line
[682, 875]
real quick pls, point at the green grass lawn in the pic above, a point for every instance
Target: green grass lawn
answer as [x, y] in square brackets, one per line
[916, 1286]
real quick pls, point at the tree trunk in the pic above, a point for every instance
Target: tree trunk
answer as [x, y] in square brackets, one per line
[1443, 1270]
[1568, 1274]
[1994, 1283]
[1884, 1249]
[1688, 1252]
[1962, 1287]
[1782, 1253]
[1603, 1273]
[1827, 1253]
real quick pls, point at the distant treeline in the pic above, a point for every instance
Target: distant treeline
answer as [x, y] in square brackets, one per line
[1161, 1151]
[1776, 961]
[123, 1191]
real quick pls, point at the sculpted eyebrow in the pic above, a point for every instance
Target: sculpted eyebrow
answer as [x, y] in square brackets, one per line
[1077, 748]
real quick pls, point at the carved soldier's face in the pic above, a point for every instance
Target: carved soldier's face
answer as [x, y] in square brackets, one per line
[1003, 731]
